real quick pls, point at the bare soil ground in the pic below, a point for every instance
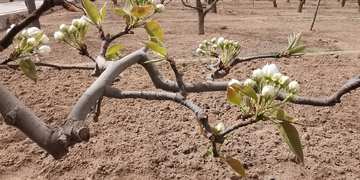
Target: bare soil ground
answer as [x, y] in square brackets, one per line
[139, 139]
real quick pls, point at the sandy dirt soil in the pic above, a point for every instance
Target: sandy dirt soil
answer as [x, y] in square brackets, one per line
[139, 139]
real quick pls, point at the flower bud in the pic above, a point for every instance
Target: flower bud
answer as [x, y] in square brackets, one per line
[76, 22]
[59, 36]
[220, 41]
[207, 44]
[220, 127]
[268, 92]
[31, 41]
[213, 40]
[214, 47]
[276, 77]
[63, 28]
[44, 39]
[44, 50]
[83, 21]
[285, 80]
[201, 46]
[24, 33]
[257, 75]
[33, 30]
[270, 69]
[73, 29]
[159, 8]
[293, 87]
[236, 45]
[249, 82]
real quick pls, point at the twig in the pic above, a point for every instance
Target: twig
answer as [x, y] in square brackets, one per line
[187, 5]
[236, 125]
[327, 101]
[95, 110]
[178, 76]
[317, 8]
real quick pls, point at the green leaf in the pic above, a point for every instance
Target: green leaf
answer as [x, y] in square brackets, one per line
[297, 50]
[233, 96]
[153, 28]
[128, 7]
[281, 115]
[38, 35]
[120, 12]
[291, 137]
[28, 67]
[248, 91]
[208, 152]
[91, 11]
[140, 11]
[127, 19]
[236, 166]
[114, 49]
[156, 47]
[102, 13]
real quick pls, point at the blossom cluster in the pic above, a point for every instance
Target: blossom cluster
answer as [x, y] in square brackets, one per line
[74, 34]
[270, 81]
[31, 40]
[229, 49]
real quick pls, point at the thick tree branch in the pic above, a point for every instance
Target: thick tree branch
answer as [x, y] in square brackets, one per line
[15, 113]
[6, 41]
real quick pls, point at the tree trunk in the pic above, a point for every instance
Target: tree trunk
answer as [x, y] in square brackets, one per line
[274, 3]
[201, 17]
[343, 3]
[358, 5]
[301, 4]
[30, 4]
[317, 8]
[287, 1]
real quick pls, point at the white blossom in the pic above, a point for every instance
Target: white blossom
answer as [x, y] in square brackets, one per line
[293, 87]
[258, 75]
[284, 80]
[73, 29]
[268, 92]
[44, 50]
[32, 31]
[44, 39]
[59, 36]
[159, 8]
[24, 33]
[249, 82]
[83, 21]
[270, 69]
[213, 40]
[31, 41]
[220, 127]
[220, 41]
[63, 28]
[76, 22]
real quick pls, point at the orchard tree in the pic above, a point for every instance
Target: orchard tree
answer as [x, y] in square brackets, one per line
[258, 98]
[202, 9]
